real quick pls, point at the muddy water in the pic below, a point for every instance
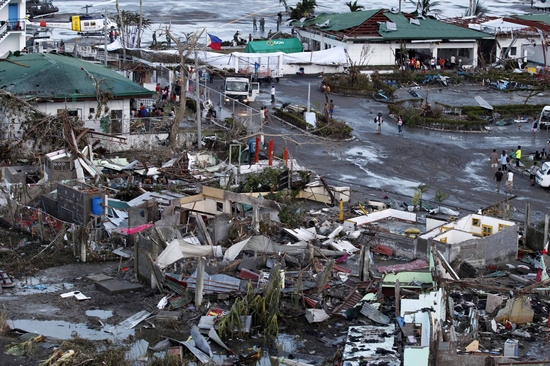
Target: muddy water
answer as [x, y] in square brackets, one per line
[65, 330]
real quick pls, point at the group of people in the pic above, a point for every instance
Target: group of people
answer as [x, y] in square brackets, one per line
[163, 94]
[328, 110]
[262, 23]
[155, 111]
[379, 120]
[255, 24]
[502, 166]
[418, 63]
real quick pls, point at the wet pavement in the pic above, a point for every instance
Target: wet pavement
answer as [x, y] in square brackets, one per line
[390, 165]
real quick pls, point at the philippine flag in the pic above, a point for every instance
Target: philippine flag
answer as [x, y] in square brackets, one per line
[214, 42]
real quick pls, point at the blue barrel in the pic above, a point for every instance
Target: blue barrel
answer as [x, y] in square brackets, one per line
[96, 206]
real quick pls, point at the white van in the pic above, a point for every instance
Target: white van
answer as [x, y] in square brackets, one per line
[543, 175]
[544, 118]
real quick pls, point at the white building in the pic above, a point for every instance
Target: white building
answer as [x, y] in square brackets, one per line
[384, 37]
[12, 26]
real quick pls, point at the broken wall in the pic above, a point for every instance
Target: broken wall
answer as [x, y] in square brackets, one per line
[144, 250]
[403, 246]
[497, 248]
[222, 225]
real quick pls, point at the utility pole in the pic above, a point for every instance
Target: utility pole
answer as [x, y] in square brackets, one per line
[105, 35]
[198, 101]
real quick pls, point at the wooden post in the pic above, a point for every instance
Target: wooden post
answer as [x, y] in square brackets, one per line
[257, 150]
[365, 273]
[270, 153]
[527, 221]
[324, 276]
[256, 216]
[83, 243]
[397, 298]
[546, 223]
[199, 282]
[41, 223]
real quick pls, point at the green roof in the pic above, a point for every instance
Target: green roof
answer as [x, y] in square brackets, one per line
[543, 18]
[428, 28]
[339, 22]
[56, 76]
[288, 45]
[373, 24]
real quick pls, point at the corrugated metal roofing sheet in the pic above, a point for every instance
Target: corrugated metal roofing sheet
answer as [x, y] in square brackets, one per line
[375, 23]
[339, 22]
[429, 28]
[53, 76]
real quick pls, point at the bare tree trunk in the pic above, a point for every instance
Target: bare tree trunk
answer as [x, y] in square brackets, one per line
[122, 32]
[185, 47]
[140, 23]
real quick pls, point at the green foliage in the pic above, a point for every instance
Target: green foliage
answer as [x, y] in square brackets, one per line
[263, 309]
[332, 128]
[304, 8]
[292, 119]
[353, 7]
[291, 215]
[413, 117]
[266, 180]
[440, 196]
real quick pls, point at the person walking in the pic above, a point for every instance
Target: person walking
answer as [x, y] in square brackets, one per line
[262, 24]
[533, 173]
[453, 62]
[535, 127]
[254, 24]
[378, 120]
[494, 160]
[518, 156]
[432, 63]
[262, 116]
[331, 108]
[272, 93]
[509, 182]
[504, 161]
[399, 125]
[267, 117]
[498, 178]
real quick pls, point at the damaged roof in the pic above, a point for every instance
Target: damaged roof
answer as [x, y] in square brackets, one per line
[54, 76]
[387, 25]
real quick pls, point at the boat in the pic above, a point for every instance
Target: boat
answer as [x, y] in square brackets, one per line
[40, 8]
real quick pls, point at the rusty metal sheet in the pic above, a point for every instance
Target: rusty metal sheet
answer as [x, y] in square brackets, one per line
[353, 298]
[402, 267]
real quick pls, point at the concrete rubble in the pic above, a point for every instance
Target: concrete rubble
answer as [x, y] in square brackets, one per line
[396, 287]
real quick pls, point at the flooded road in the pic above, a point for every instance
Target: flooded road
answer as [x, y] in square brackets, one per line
[225, 17]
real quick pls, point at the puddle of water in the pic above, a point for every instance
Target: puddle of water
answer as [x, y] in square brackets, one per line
[65, 330]
[101, 314]
[35, 285]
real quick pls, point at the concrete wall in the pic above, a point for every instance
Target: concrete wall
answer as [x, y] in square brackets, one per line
[454, 236]
[496, 248]
[403, 246]
[465, 223]
[142, 248]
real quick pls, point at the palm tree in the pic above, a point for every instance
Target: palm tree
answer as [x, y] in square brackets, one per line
[304, 8]
[477, 8]
[353, 7]
[423, 7]
[132, 26]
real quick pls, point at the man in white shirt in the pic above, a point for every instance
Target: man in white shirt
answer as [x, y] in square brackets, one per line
[272, 93]
[509, 182]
